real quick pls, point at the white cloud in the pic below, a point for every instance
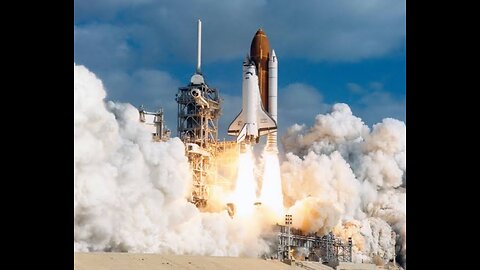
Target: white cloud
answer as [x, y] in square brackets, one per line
[316, 30]
[102, 46]
[355, 88]
[373, 102]
[121, 41]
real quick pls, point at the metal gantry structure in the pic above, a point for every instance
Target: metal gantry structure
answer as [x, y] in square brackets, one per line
[156, 123]
[287, 249]
[198, 117]
[199, 108]
[327, 249]
[333, 250]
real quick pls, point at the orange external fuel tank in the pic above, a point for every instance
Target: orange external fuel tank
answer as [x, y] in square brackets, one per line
[259, 53]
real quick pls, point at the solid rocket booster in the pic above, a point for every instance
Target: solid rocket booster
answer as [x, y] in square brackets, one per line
[272, 99]
[272, 85]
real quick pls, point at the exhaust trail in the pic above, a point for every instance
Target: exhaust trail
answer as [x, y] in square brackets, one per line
[244, 194]
[271, 193]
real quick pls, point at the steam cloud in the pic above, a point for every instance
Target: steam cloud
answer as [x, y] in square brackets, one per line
[338, 175]
[130, 193]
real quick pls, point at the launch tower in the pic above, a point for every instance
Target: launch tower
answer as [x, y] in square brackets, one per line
[199, 108]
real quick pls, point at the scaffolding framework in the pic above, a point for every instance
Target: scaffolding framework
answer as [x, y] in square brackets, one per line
[333, 250]
[326, 249]
[199, 108]
[156, 123]
[198, 123]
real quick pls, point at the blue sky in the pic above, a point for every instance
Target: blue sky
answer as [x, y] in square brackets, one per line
[351, 51]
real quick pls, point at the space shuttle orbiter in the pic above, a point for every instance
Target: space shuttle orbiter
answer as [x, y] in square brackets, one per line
[252, 121]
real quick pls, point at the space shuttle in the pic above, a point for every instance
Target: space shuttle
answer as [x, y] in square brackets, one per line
[258, 116]
[252, 121]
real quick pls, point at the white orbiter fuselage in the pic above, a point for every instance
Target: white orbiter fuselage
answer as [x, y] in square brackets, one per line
[253, 121]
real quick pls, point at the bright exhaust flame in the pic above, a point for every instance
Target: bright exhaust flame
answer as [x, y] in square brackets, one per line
[244, 195]
[271, 195]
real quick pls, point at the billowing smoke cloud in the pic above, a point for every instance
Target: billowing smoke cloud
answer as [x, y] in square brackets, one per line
[372, 237]
[130, 193]
[339, 175]
[323, 188]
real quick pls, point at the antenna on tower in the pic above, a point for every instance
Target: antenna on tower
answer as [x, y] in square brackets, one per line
[199, 47]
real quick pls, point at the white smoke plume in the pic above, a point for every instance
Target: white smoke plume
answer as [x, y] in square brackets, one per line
[323, 189]
[372, 237]
[340, 175]
[130, 193]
